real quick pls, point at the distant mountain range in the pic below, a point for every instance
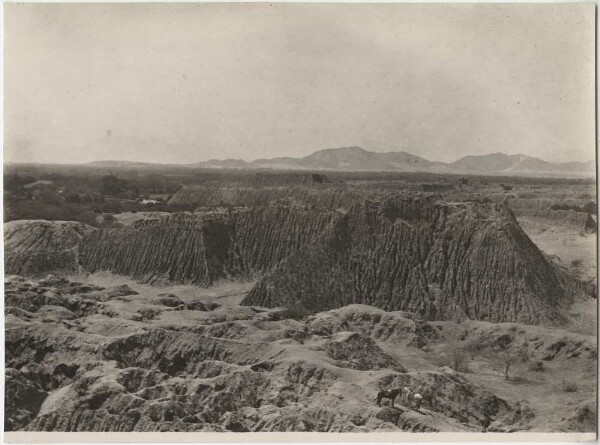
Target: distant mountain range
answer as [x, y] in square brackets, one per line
[358, 159]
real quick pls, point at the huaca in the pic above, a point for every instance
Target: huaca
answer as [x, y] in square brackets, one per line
[412, 252]
[38, 247]
[180, 249]
[239, 218]
[288, 304]
[440, 260]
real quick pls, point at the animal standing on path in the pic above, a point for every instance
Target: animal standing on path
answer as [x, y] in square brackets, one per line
[387, 394]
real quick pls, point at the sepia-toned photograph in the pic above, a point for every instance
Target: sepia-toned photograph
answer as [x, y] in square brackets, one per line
[299, 218]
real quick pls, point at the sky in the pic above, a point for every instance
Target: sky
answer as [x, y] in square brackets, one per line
[183, 83]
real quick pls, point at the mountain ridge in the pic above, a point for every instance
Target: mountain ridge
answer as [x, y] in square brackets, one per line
[355, 158]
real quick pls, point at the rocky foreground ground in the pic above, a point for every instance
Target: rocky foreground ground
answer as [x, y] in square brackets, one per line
[85, 357]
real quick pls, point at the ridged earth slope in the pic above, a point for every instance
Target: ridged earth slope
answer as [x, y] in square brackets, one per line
[417, 254]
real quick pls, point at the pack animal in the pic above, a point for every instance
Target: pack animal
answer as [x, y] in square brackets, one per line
[387, 394]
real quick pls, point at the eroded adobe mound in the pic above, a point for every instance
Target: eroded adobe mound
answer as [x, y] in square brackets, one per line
[202, 249]
[39, 247]
[180, 248]
[418, 254]
[410, 252]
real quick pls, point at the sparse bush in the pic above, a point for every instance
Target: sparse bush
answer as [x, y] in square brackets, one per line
[459, 360]
[537, 366]
[475, 346]
[503, 341]
[87, 218]
[112, 207]
[112, 185]
[569, 386]
[576, 263]
[455, 356]
[508, 358]
[72, 197]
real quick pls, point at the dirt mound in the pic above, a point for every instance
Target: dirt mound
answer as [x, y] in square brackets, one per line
[410, 252]
[583, 418]
[38, 247]
[416, 254]
[393, 327]
[180, 248]
[202, 249]
[516, 420]
[23, 399]
[538, 343]
[353, 350]
[230, 369]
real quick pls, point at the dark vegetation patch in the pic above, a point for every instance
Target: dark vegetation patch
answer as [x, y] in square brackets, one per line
[93, 194]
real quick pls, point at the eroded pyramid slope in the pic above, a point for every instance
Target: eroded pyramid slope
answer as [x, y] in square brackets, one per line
[418, 254]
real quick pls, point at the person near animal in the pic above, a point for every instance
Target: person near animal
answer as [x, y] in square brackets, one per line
[410, 397]
[406, 392]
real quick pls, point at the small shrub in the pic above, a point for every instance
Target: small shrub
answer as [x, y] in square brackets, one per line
[569, 386]
[577, 263]
[455, 356]
[503, 341]
[476, 346]
[88, 217]
[537, 366]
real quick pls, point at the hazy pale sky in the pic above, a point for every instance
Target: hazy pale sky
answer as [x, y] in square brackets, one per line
[180, 83]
